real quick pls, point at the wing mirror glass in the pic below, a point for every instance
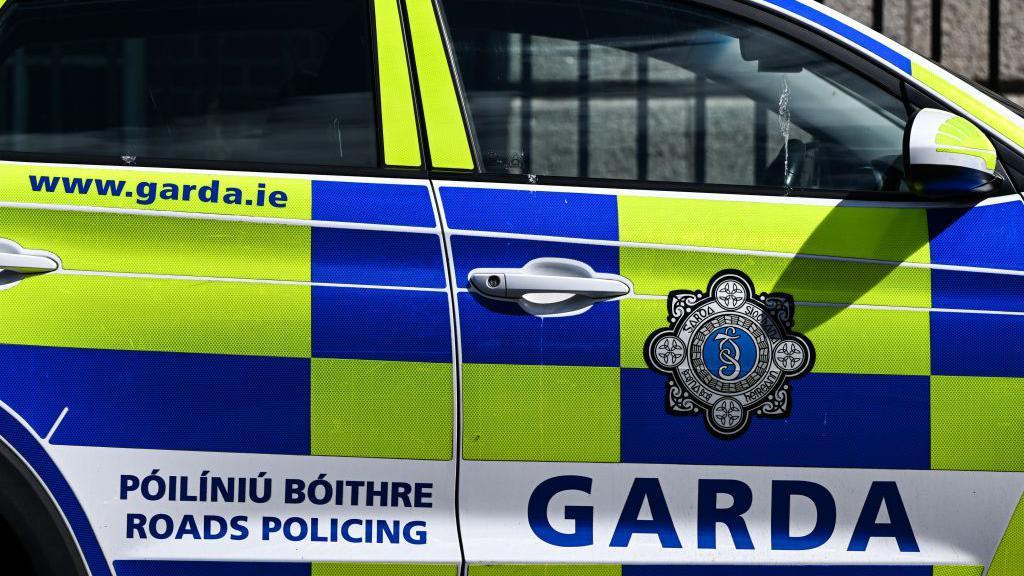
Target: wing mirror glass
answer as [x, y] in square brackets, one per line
[949, 156]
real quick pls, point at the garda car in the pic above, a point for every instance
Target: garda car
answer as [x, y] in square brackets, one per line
[503, 288]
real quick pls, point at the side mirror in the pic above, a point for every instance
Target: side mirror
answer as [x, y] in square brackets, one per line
[947, 155]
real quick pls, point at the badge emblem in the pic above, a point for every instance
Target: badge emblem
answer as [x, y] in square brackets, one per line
[729, 353]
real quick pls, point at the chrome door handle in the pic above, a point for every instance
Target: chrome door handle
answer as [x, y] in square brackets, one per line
[549, 286]
[26, 264]
[14, 258]
[513, 285]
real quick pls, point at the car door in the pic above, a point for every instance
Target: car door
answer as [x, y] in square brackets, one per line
[226, 334]
[790, 369]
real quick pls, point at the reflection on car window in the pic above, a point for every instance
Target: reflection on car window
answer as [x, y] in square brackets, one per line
[656, 90]
[273, 82]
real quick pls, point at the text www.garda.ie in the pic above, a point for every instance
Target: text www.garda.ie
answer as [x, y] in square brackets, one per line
[146, 193]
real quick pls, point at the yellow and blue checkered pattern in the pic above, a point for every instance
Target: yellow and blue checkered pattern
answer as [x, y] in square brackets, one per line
[916, 364]
[181, 331]
[906, 374]
[321, 329]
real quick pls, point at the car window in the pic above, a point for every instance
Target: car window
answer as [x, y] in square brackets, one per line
[656, 90]
[229, 81]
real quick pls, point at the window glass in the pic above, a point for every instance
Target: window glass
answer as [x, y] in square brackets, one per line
[237, 81]
[660, 90]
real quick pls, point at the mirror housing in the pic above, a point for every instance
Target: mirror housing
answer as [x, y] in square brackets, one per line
[769, 54]
[947, 155]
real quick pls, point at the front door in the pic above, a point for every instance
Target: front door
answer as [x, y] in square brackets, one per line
[793, 373]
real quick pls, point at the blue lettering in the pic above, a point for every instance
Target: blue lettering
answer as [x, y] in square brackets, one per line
[43, 183]
[295, 529]
[240, 531]
[345, 533]
[136, 526]
[76, 185]
[415, 532]
[270, 525]
[423, 495]
[145, 192]
[188, 527]
[111, 187]
[214, 527]
[278, 199]
[582, 516]
[649, 490]
[129, 483]
[782, 497]
[709, 515]
[898, 526]
[161, 526]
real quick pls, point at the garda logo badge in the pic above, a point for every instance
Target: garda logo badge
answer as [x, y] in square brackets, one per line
[729, 353]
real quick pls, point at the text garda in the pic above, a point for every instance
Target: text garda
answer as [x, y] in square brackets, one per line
[646, 511]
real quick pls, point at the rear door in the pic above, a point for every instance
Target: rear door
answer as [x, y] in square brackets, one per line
[774, 387]
[245, 354]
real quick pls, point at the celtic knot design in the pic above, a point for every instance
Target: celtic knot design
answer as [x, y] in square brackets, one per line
[729, 354]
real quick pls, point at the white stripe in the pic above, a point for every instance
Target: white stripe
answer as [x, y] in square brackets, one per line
[878, 307]
[456, 339]
[844, 19]
[719, 197]
[736, 252]
[56, 423]
[242, 280]
[224, 217]
[911, 309]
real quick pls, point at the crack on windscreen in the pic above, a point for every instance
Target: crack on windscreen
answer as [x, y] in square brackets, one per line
[785, 123]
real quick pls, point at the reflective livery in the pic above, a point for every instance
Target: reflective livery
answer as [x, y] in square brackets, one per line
[265, 356]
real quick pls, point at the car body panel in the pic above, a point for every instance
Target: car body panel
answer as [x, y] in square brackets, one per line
[206, 335]
[887, 394]
[144, 348]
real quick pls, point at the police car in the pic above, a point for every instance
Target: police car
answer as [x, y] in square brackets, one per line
[503, 288]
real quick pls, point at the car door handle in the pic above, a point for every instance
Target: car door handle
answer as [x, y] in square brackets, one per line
[14, 258]
[27, 264]
[549, 286]
[514, 285]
